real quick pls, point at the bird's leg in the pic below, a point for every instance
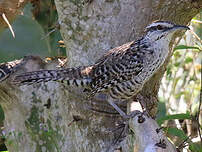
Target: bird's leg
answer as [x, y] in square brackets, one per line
[111, 102]
[142, 102]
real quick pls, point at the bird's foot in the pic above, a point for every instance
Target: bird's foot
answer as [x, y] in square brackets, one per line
[123, 114]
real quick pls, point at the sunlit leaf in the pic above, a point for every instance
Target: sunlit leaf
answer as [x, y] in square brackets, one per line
[177, 54]
[188, 60]
[181, 47]
[175, 116]
[178, 95]
[177, 64]
[198, 67]
[169, 70]
[181, 134]
[195, 148]
[196, 21]
[176, 132]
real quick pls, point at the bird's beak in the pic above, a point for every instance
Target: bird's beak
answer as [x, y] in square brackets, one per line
[181, 27]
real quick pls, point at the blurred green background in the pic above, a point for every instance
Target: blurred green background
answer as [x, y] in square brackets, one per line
[179, 94]
[31, 31]
[180, 91]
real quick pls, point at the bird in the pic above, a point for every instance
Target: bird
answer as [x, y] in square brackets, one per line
[122, 71]
[6, 69]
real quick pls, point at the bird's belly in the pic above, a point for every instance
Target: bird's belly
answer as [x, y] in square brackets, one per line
[128, 89]
[125, 90]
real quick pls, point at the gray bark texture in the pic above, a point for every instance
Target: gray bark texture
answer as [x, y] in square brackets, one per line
[52, 117]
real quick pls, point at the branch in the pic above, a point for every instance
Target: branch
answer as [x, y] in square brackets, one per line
[149, 136]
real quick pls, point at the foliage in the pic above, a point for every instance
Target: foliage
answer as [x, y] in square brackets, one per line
[31, 33]
[180, 91]
[175, 116]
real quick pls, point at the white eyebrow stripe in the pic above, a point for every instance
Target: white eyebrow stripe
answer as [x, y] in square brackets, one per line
[159, 23]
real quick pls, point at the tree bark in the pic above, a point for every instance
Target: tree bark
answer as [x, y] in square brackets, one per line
[53, 117]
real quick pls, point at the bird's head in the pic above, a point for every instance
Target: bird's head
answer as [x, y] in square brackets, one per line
[163, 30]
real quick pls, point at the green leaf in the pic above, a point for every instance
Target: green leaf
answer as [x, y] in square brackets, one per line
[161, 108]
[177, 64]
[175, 116]
[178, 95]
[169, 70]
[188, 60]
[177, 54]
[28, 40]
[10, 142]
[181, 47]
[195, 147]
[176, 132]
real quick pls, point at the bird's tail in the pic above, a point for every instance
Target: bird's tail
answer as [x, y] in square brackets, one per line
[79, 76]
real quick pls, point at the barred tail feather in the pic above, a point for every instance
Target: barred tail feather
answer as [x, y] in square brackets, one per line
[72, 76]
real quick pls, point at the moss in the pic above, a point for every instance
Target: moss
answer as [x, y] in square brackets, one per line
[2, 117]
[85, 18]
[80, 2]
[34, 98]
[76, 2]
[110, 1]
[13, 139]
[33, 120]
[42, 133]
[78, 28]
[131, 142]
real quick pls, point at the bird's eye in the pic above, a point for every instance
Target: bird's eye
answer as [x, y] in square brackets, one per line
[159, 27]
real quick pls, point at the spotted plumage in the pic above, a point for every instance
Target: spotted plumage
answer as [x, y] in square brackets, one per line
[8, 68]
[122, 71]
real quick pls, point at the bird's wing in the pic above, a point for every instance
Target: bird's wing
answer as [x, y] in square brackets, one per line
[118, 65]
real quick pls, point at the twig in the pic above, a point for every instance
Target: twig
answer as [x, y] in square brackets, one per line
[75, 119]
[9, 25]
[56, 27]
[196, 21]
[183, 144]
[196, 36]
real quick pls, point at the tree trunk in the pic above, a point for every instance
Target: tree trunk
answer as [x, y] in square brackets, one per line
[53, 117]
